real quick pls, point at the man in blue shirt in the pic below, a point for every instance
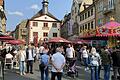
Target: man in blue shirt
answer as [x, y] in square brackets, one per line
[44, 66]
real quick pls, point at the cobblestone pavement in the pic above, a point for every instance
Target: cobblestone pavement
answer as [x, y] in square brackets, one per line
[14, 74]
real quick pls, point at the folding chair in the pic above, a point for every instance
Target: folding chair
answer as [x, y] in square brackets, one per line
[9, 62]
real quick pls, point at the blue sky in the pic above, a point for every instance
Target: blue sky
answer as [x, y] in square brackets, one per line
[18, 10]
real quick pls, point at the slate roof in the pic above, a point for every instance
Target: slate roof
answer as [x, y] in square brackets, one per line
[40, 13]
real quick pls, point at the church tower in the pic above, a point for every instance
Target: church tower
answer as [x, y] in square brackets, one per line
[45, 6]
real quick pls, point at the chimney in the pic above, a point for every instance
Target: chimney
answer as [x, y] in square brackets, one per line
[45, 6]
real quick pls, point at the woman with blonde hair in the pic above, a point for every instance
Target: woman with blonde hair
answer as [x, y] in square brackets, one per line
[94, 62]
[21, 59]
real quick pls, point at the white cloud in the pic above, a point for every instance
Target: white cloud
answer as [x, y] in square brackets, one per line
[35, 7]
[17, 13]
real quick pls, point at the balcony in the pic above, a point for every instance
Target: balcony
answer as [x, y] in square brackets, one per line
[45, 28]
[107, 9]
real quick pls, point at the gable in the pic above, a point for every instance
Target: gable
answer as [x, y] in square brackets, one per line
[45, 18]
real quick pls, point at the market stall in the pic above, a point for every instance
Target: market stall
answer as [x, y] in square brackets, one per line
[109, 32]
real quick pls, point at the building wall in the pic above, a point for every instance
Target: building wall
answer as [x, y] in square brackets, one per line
[87, 20]
[103, 12]
[75, 9]
[2, 17]
[21, 31]
[50, 30]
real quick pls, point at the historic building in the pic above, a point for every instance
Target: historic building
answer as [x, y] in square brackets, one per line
[75, 9]
[21, 31]
[66, 28]
[43, 25]
[87, 19]
[2, 17]
[104, 9]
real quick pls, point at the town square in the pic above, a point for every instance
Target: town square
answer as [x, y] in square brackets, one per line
[59, 39]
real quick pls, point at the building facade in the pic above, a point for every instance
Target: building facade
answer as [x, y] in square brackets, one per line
[105, 9]
[66, 28]
[87, 19]
[21, 31]
[2, 17]
[43, 25]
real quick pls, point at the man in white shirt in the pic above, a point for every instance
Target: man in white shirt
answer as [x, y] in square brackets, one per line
[58, 62]
[30, 54]
[70, 53]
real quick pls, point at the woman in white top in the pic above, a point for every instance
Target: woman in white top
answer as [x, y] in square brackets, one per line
[94, 61]
[21, 58]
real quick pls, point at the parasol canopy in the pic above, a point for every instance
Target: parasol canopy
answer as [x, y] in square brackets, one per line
[4, 38]
[58, 39]
[16, 42]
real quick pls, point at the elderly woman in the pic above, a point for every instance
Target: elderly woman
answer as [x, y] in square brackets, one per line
[94, 62]
[21, 59]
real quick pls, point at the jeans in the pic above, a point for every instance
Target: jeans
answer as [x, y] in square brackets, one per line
[94, 73]
[116, 70]
[44, 71]
[58, 74]
[106, 72]
[30, 65]
[85, 62]
[22, 66]
[99, 69]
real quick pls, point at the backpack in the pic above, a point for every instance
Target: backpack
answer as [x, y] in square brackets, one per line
[44, 62]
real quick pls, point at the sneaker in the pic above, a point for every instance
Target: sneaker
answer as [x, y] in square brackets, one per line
[87, 68]
[24, 73]
[21, 74]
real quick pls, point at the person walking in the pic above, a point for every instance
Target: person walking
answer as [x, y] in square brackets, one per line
[85, 57]
[30, 53]
[106, 62]
[70, 52]
[94, 63]
[58, 62]
[21, 59]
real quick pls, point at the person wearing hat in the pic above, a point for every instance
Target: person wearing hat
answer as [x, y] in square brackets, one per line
[58, 62]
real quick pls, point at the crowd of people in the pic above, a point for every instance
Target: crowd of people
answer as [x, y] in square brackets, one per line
[103, 57]
[94, 59]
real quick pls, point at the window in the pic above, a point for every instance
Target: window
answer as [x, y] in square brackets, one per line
[54, 24]
[75, 9]
[92, 25]
[45, 34]
[54, 34]
[35, 23]
[45, 24]
[111, 4]
[88, 26]
[85, 26]
[85, 15]
[91, 12]
[88, 13]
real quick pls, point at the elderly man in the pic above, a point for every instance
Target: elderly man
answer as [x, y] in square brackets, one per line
[58, 62]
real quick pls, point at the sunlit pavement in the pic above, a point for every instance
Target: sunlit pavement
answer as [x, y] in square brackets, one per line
[14, 74]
